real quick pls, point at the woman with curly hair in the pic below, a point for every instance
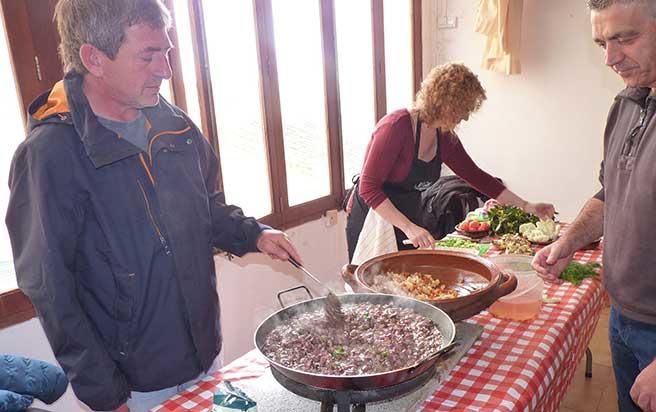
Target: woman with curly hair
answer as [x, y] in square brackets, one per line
[406, 152]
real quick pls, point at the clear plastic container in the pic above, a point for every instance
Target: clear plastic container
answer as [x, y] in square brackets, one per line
[525, 302]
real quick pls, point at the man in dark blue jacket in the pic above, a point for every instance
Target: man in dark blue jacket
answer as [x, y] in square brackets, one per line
[114, 212]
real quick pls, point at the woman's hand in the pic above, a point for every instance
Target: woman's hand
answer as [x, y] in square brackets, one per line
[122, 408]
[277, 245]
[541, 210]
[419, 236]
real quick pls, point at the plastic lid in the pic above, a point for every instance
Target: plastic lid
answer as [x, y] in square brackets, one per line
[528, 289]
[527, 278]
[517, 264]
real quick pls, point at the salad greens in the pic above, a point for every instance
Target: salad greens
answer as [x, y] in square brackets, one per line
[575, 272]
[507, 219]
[463, 244]
[455, 242]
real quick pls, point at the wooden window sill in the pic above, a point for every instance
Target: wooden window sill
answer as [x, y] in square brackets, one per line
[15, 308]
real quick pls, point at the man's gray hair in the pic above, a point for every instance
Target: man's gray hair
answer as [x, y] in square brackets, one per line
[102, 23]
[602, 4]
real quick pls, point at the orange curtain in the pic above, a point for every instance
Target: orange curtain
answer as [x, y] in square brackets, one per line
[500, 21]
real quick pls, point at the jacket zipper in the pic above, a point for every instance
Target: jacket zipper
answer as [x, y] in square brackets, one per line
[162, 239]
[145, 166]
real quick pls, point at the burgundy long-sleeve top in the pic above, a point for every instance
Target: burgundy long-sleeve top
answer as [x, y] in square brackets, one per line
[390, 154]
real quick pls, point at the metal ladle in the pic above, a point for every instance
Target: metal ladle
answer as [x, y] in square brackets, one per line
[333, 306]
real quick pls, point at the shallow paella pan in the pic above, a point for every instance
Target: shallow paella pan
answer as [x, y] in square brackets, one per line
[444, 324]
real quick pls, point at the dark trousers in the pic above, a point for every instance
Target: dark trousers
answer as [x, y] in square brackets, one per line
[633, 347]
[354, 223]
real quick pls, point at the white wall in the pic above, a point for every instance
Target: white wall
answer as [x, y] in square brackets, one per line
[247, 289]
[540, 131]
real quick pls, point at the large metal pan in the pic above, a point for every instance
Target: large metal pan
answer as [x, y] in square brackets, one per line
[459, 270]
[359, 382]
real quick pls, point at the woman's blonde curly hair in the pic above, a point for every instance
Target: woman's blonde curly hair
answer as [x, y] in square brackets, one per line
[449, 92]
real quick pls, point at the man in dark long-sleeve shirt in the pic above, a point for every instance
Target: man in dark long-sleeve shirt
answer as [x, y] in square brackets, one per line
[623, 209]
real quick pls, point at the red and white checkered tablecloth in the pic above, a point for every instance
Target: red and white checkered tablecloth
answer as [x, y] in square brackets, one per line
[513, 366]
[199, 397]
[525, 366]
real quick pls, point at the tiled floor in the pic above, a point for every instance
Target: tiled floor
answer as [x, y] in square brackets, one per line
[596, 394]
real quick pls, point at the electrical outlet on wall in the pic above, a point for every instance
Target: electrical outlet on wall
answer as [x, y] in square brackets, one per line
[447, 22]
[330, 218]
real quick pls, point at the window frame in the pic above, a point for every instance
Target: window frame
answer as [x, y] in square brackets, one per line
[36, 66]
[33, 53]
[283, 215]
[32, 32]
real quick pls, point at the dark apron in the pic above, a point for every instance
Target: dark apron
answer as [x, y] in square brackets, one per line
[405, 196]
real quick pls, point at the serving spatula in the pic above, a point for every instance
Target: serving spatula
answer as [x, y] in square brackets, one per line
[333, 306]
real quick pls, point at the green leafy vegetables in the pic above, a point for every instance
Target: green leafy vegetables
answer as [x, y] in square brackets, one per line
[507, 219]
[455, 242]
[575, 272]
[463, 244]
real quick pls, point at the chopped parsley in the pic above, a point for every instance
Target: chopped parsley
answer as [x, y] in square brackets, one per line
[575, 272]
[339, 350]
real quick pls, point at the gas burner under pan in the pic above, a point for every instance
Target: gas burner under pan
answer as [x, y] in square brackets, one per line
[357, 398]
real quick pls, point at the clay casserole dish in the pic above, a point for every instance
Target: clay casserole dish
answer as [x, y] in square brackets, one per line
[483, 281]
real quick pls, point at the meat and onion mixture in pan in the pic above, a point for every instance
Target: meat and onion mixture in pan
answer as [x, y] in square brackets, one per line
[375, 339]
